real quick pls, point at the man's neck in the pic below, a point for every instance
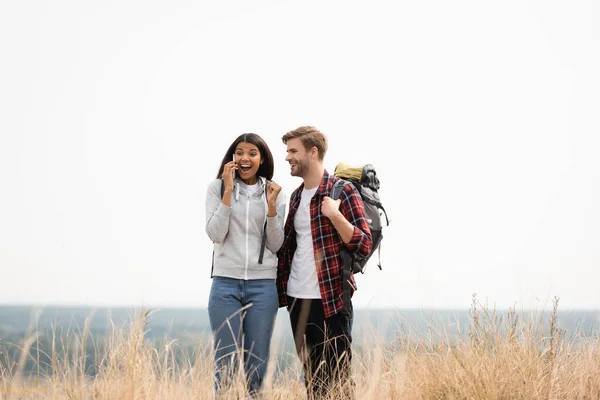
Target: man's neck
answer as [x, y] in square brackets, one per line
[314, 177]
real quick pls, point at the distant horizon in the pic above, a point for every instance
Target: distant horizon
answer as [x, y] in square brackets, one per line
[489, 306]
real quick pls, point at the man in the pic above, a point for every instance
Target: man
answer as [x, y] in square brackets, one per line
[310, 269]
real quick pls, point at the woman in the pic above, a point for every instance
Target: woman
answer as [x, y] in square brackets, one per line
[243, 207]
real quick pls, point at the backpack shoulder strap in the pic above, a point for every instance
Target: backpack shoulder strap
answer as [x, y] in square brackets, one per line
[263, 242]
[337, 188]
[347, 258]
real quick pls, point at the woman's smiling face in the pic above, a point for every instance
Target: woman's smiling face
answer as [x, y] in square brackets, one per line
[248, 159]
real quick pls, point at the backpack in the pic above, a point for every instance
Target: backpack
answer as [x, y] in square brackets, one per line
[365, 180]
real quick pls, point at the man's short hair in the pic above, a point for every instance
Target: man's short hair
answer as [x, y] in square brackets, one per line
[310, 137]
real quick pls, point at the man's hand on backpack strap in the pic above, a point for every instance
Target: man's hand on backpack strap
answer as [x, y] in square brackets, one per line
[331, 209]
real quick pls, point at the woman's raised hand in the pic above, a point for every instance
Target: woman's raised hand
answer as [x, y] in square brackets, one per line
[273, 190]
[228, 175]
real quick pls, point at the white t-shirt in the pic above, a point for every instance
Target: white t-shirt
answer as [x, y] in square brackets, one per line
[303, 282]
[250, 189]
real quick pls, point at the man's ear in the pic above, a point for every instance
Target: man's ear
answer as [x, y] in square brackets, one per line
[314, 152]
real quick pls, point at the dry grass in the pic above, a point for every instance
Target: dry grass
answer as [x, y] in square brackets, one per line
[498, 356]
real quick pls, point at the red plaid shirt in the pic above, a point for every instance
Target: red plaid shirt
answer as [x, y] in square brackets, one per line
[327, 244]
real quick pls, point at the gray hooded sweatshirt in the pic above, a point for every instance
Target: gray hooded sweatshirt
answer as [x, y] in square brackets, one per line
[236, 231]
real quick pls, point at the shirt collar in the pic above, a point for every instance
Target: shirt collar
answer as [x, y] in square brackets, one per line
[326, 183]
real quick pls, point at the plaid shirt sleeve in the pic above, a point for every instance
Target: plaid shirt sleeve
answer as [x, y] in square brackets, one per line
[353, 209]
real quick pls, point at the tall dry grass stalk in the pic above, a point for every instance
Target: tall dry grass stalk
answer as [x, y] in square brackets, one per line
[507, 355]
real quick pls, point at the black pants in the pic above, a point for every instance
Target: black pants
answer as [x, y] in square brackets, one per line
[324, 347]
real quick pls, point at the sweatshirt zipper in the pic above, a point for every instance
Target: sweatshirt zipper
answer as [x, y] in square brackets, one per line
[247, 223]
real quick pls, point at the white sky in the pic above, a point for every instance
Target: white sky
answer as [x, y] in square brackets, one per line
[482, 119]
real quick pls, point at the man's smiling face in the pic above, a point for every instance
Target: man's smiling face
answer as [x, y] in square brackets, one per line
[298, 157]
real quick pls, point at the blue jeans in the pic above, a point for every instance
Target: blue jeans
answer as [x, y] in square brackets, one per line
[242, 315]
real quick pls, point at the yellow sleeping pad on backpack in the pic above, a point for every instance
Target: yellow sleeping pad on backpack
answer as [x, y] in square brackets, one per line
[346, 171]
